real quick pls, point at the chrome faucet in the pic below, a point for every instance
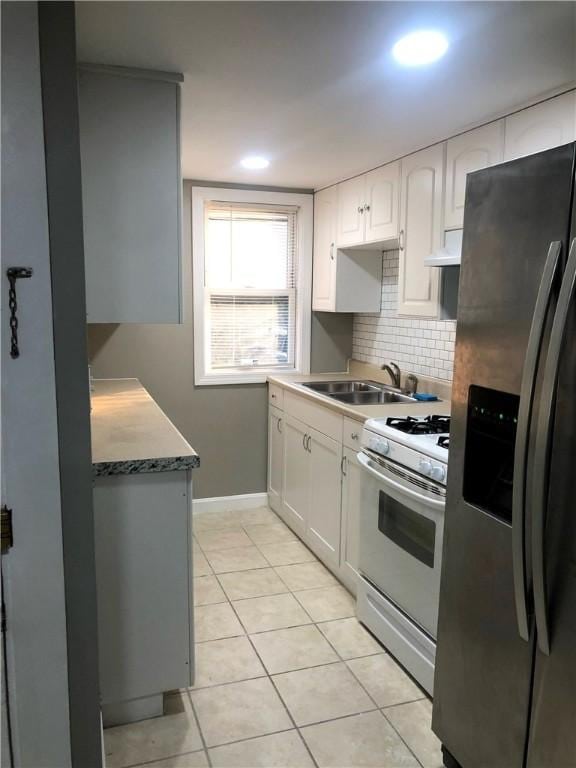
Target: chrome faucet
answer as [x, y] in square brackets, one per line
[411, 384]
[394, 372]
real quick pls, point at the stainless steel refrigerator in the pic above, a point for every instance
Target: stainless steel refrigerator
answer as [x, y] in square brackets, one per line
[505, 677]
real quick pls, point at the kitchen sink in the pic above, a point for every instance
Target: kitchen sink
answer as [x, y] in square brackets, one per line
[359, 392]
[372, 398]
[345, 387]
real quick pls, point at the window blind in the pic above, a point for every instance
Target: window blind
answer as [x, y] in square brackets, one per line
[250, 287]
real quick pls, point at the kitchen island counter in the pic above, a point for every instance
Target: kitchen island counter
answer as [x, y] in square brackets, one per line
[142, 474]
[131, 433]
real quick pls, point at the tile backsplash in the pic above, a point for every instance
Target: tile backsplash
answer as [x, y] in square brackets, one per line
[419, 346]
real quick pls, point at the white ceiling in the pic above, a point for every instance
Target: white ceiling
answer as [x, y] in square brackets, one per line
[312, 86]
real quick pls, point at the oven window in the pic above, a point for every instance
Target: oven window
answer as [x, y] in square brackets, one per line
[414, 533]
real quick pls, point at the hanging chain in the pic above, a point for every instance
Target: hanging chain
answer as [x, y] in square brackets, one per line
[15, 273]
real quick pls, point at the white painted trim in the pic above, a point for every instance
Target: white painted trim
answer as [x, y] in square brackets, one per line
[229, 503]
[305, 204]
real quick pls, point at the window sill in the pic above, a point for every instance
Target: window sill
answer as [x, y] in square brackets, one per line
[241, 378]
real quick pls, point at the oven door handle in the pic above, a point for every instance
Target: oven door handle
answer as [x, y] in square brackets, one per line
[367, 464]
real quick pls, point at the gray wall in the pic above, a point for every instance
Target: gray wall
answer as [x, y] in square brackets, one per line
[225, 424]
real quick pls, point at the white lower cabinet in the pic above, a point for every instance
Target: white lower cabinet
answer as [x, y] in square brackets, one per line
[320, 482]
[325, 493]
[295, 481]
[351, 497]
[275, 458]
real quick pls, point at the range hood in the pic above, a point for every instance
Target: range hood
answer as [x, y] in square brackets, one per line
[449, 255]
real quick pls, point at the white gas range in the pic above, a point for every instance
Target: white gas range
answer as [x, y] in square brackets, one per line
[401, 529]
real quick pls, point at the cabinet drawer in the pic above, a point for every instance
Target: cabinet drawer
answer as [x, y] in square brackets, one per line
[315, 416]
[276, 396]
[352, 433]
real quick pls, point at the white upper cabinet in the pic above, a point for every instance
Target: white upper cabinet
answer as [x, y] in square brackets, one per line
[131, 192]
[325, 214]
[382, 195]
[344, 280]
[469, 152]
[368, 207]
[421, 231]
[351, 211]
[543, 126]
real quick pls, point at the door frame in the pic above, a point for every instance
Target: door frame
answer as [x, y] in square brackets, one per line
[48, 574]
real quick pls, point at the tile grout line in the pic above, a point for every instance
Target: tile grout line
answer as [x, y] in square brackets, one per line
[379, 709]
[362, 687]
[162, 759]
[279, 695]
[340, 660]
[197, 721]
[391, 724]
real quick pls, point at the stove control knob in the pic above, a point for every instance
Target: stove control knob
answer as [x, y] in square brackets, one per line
[373, 443]
[438, 473]
[383, 447]
[425, 466]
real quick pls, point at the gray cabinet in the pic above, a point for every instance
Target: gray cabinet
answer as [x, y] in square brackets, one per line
[131, 189]
[143, 544]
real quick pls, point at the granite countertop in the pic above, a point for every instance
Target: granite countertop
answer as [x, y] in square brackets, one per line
[293, 383]
[130, 432]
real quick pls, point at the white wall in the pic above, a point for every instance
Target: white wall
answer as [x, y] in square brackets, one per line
[419, 346]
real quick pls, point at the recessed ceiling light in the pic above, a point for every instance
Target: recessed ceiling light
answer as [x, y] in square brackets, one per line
[420, 48]
[255, 163]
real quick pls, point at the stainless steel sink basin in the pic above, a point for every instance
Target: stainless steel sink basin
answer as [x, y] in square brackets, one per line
[342, 387]
[359, 392]
[372, 398]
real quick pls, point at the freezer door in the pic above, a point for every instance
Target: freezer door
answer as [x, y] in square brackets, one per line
[552, 742]
[483, 679]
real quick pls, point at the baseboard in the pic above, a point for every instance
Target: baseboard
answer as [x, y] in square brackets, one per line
[232, 503]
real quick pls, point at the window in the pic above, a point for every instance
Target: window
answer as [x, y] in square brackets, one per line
[252, 259]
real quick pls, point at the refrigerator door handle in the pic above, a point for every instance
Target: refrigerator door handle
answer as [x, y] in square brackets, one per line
[542, 452]
[533, 352]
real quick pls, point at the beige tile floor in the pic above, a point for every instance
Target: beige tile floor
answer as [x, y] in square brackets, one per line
[286, 677]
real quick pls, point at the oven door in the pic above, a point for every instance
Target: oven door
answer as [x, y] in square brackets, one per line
[401, 528]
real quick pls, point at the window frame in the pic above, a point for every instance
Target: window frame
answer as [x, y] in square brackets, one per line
[303, 319]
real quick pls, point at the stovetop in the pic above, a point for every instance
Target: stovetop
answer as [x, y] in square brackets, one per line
[426, 436]
[427, 425]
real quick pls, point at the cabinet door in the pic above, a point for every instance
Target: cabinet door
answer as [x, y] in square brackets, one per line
[351, 498]
[421, 234]
[325, 482]
[295, 492]
[325, 215]
[543, 126]
[351, 216]
[275, 458]
[466, 153]
[382, 203]
[131, 187]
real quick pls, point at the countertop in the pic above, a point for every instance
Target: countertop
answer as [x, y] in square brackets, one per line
[293, 383]
[131, 433]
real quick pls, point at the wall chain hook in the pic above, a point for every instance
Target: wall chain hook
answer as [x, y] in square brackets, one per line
[13, 274]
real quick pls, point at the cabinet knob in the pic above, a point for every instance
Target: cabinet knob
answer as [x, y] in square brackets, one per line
[401, 240]
[366, 207]
[354, 435]
[273, 396]
[332, 251]
[360, 209]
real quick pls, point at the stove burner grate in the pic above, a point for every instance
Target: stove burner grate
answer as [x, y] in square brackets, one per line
[430, 425]
[444, 441]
